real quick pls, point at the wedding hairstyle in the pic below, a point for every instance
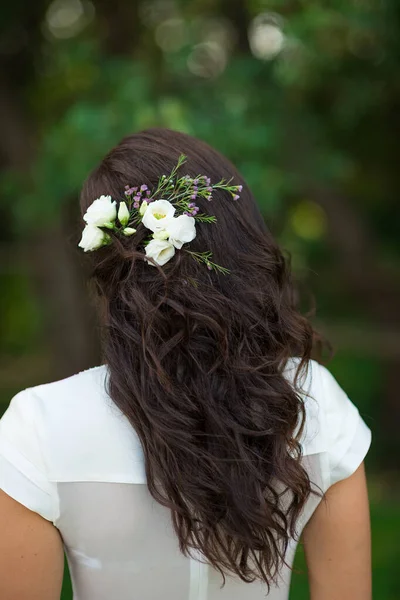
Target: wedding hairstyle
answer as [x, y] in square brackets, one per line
[196, 358]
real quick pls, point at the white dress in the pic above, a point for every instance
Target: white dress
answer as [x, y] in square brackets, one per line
[69, 454]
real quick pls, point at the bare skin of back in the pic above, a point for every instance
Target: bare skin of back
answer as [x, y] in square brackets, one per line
[337, 542]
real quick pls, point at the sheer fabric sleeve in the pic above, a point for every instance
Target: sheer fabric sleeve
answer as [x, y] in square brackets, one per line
[22, 461]
[348, 436]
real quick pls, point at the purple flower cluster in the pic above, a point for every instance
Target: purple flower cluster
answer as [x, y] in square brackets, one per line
[200, 186]
[130, 190]
[238, 188]
[137, 194]
[209, 191]
[192, 210]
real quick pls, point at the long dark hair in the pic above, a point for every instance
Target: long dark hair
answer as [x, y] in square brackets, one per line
[196, 362]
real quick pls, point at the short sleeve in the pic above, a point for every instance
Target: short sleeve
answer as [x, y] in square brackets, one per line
[348, 436]
[22, 461]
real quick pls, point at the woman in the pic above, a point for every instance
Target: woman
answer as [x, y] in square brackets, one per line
[188, 465]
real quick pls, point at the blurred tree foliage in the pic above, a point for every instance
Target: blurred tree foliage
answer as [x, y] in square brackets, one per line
[302, 95]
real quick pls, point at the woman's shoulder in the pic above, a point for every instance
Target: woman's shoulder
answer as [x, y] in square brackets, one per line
[82, 434]
[308, 380]
[333, 425]
[65, 401]
[89, 382]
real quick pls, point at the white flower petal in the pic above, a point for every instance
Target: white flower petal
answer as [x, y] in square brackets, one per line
[160, 250]
[157, 214]
[102, 211]
[181, 230]
[92, 238]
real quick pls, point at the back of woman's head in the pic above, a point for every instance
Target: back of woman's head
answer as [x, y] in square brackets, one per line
[196, 361]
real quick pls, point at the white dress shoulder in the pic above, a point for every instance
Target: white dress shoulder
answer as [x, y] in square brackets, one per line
[69, 454]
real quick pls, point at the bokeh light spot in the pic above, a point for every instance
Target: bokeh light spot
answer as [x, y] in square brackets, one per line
[266, 37]
[207, 59]
[67, 18]
[171, 35]
[308, 220]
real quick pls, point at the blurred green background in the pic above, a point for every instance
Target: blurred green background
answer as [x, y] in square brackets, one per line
[303, 96]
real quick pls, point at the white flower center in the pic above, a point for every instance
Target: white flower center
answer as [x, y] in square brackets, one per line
[164, 251]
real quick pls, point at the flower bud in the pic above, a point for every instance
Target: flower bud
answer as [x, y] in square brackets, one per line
[128, 231]
[161, 235]
[123, 213]
[143, 207]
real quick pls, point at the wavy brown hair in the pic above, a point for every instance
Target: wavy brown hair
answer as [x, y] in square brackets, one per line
[196, 361]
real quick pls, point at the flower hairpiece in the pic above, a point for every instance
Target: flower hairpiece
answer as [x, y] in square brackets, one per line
[169, 212]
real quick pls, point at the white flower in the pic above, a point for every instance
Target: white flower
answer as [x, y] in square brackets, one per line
[129, 231]
[123, 213]
[160, 250]
[102, 212]
[161, 234]
[143, 207]
[92, 238]
[157, 214]
[181, 230]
